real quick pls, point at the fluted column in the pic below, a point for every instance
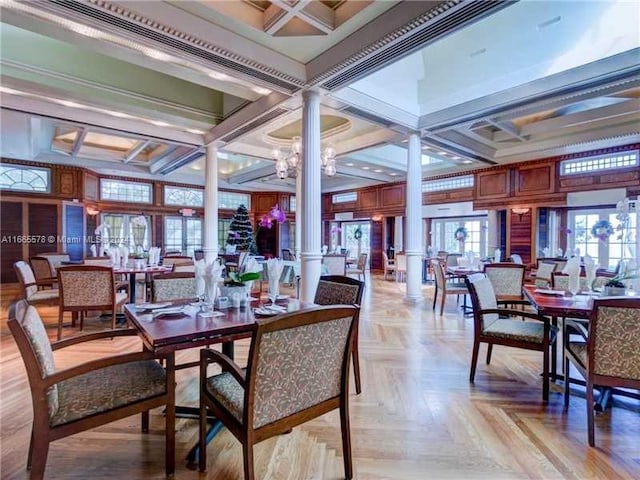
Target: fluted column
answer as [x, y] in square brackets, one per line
[210, 241]
[414, 219]
[299, 207]
[311, 255]
[492, 232]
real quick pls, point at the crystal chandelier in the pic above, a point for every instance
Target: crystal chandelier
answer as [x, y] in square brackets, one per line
[286, 161]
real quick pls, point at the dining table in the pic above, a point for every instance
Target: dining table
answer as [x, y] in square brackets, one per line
[136, 269]
[172, 326]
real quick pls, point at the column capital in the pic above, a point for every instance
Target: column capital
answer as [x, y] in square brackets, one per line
[310, 95]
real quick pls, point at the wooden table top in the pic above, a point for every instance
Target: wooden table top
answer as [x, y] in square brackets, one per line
[559, 305]
[145, 269]
[190, 329]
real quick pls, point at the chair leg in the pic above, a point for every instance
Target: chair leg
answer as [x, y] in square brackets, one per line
[145, 421]
[202, 442]
[545, 375]
[566, 382]
[346, 440]
[113, 318]
[489, 352]
[40, 451]
[356, 363]
[30, 454]
[590, 414]
[60, 319]
[444, 296]
[474, 360]
[247, 454]
[435, 297]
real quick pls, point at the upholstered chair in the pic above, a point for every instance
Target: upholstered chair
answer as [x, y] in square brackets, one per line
[298, 369]
[389, 266]
[169, 287]
[515, 258]
[341, 290]
[85, 396]
[501, 326]
[544, 273]
[608, 353]
[443, 286]
[29, 286]
[43, 273]
[401, 267]
[360, 268]
[335, 264]
[560, 281]
[507, 280]
[86, 288]
[55, 260]
[177, 260]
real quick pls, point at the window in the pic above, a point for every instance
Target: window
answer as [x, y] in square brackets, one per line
[351, 243]
[443, 235]
[183, 234]
[345, 197]
[123, 232]
[602, 162]
[447, 184]
[232, 200]
[187, 197]
[123, 191]
[223, 231]
[293, 203]
[25, 179]
[608, 253]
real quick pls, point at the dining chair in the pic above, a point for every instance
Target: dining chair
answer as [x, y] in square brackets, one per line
[388, 265]
[176, 259]
[91, 394]
[42, 272]
[55, 260]
[189, 267]
[401, 267]
[515, 258]
[499, 326]
[560, 281]
[452, 259]
[507, 280]
[341, 290]
[544, 273]
[173, 286]
[86, 288]
[298, 369]
[360, 268]
[29, 286]
[445, 287]
[608, 351]
[288, 255]
[198, 254]
[335, 264]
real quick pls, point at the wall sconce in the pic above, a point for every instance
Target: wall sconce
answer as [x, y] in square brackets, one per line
[520, 211]
[92, 211]
[377, 218]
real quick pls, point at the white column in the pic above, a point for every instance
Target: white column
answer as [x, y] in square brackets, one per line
[299, 208]
[311, 255]
[492, 232]
[210, 241]
[414, 219]
[398, 234]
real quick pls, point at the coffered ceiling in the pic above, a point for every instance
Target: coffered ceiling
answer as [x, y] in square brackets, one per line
[141, 87]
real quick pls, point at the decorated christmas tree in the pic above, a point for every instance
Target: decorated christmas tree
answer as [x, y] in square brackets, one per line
[241, 231]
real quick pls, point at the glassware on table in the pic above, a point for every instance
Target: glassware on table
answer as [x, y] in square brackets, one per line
[574, 284]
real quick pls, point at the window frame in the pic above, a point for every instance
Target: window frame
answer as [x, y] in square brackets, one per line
[344, 197]
[605, 160]
[31, 169]
[185, 190]
[126, 182]
[246, 200]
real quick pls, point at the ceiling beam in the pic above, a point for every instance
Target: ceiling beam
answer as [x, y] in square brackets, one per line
[135, 151]
[509, 128]
[359, 173]
[251, 175]
[279, 13]
[319, 16]
[79, 141]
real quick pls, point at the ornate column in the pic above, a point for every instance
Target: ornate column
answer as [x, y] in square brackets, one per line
[492, 232]
[299, 207]
[414, 219]
[210, 240]
[311, 255]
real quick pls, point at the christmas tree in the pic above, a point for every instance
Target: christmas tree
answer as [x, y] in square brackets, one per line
[241, 231]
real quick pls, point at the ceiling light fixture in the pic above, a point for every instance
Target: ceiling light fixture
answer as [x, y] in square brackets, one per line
[68, 103]
[286, 161]
[520, 211]
[261, 90]
[442, 153]
[350, 164]
[393, 174]
[196, 131]
[160, 123]
[377, 170]
[218, 75]
[366, 168]
[467, 162]
[455, 158]
[157, 55]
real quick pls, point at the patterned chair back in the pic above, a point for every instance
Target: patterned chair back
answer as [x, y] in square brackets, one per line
[560, 281]
[98, 261]
[41, 268]
[543, 274]
[515, 258]
[362, 261]
[452, 259]
[613, 347]
[401, 262]
[26, 278]
[483, 297]
[184, 267]
[86, 286]
[173, 260]
[55, 260]
[338, 290]
[297, 361]
[505, 278]
[438, 273]
[173, 286]
[29, 333]
[335, 264]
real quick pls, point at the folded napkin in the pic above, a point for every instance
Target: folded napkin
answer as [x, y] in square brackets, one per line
[559, 253]
[212, 275]
[546, 252]
[572, 269]
[497, 256]
[124, 256]
[274, 270]
[94, 251]
[325, 249]
[590, 267]
[114, 255]
[154, 255]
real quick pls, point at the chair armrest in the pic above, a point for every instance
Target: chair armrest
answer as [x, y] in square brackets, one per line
[42, 281]
[577, 328]
[514, 302]
[94, 365]
[213, 356]
[93, 336]
[516, 313]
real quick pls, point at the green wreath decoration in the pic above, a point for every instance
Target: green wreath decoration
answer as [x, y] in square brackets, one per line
[461, 234]
[357, 234]
[602, 230]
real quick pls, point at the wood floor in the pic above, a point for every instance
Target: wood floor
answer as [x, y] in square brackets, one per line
[418, 417]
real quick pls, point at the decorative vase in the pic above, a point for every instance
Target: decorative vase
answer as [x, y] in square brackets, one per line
[229, 291]
[614, 291]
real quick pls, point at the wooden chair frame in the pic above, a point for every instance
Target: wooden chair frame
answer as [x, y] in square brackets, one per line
[517, 266]
[42, 433]
[244, 430]
[41, 279]
[24, 286]
[169, 276]
[444, 289]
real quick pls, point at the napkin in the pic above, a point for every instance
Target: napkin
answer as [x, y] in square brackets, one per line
[124, 256]
[274, 270]
[325, 249]
[546, 252]
[94, 252]
[559, 253]
[199, 271]
[497, 256]
[154, 255]
[590, 268]
[114, 255]
[572, 268]
[207, 278]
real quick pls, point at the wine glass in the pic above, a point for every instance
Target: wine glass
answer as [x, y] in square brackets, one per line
[574, 285]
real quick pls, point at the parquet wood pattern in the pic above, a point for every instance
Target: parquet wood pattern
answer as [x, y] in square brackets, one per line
[418, 417]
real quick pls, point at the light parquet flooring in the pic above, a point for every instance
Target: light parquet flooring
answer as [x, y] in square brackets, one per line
[418, 417]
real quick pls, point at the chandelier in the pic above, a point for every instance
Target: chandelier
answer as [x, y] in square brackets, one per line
[287, 162]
